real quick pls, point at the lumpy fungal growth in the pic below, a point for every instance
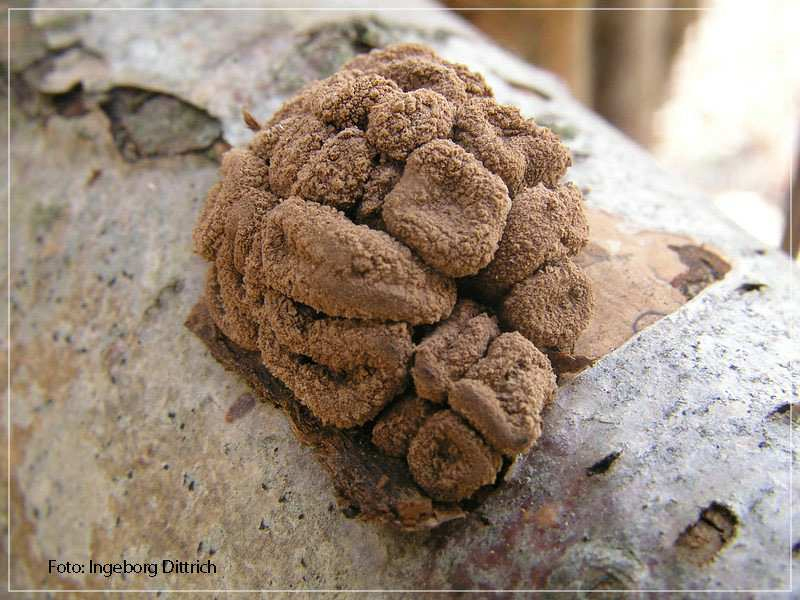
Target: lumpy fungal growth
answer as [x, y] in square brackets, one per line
[396, 248]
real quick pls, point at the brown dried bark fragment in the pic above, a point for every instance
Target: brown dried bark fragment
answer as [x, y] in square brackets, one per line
[448, 208]
[551, 307]
[449, 460]
[566, 363]
[701, 541]
[705, 268]
[240, 407]
[453, 347]
[503, 394]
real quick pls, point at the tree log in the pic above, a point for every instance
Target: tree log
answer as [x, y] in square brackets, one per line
[665, 465]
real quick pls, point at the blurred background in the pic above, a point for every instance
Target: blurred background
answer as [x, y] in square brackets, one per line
[711, 88]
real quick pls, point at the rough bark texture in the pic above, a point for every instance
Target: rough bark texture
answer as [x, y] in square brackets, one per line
[663, 466]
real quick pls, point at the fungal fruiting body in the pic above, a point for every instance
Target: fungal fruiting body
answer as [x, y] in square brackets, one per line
[397, 247]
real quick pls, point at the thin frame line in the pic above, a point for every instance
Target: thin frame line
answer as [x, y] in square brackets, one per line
[401, 590]
[338, 9]
[8, 291]
[792, 324]
[364, 8]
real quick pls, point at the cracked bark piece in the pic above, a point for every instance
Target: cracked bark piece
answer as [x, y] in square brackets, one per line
[344, 370]
[399, 423]
[551, 307]
[544, 225]
[503, 394]
[345, 98]
[448, 208]
[453, 347]
[405, 121]
[449, 460]
[337, 173]
[317, 256]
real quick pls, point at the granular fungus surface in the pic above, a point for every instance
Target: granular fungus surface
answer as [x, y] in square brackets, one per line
[397, 249]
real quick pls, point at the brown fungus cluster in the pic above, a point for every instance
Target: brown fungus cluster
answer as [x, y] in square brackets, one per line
[396, 245]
